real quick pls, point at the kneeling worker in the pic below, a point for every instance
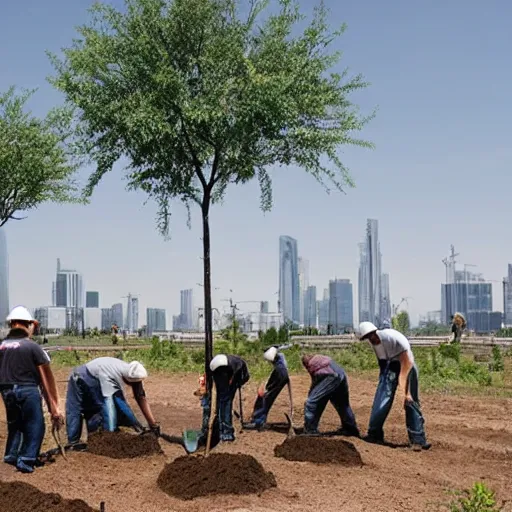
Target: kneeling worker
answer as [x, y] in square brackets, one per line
[24, 367]
[328, 383]
[96, 394]
[229, 374]
[397, 369]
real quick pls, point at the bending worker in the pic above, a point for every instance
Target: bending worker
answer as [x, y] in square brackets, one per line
[278, 379]
[96, 394]
[397, 369]
[24, 367]
[230, 373]
[328, 383]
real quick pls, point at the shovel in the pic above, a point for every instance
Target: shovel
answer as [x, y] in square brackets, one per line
[291, 431]
[56, 437]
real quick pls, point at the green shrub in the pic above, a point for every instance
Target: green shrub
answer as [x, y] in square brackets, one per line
[478, 499]
[450, 351]
[497, 363]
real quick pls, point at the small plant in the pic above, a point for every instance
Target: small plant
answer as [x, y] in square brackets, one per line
[478, 499]
[450, 351]
[497, 363]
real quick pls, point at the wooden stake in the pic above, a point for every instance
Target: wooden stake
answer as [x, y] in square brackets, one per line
[213, 415]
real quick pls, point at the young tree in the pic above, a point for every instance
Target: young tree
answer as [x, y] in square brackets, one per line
[198, 97]
[401, 322]
[35, 166]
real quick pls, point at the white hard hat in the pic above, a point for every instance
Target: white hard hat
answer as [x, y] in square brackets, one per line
[270, 354]
[218, 361]
[20, 313]
[136, 372]
[366, 328]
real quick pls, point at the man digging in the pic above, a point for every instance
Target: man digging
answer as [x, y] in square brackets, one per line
[397, 369]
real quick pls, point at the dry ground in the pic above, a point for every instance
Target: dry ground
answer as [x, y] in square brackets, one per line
[471, 437]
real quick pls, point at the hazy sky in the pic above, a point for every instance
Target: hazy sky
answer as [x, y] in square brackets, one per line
[441, 78]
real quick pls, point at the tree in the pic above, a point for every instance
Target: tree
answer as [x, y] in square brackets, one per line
[35, 165]
[401, 322]
[198, 97]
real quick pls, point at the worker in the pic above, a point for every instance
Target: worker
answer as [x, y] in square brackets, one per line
[278, 379]
[96, 394]
[458, 325]
[24, 368]
[328, 383]
[397, 370]
[230, 373]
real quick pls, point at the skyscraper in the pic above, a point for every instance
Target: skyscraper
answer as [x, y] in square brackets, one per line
[107, 319]
[92, 300]
[323, 311]
[341, 306]
[132, 313]
[187, 309]
[303, 285]
[385, 308]
[4, 278]
[289, 288]
[155, 320]
[117, 314]
[370, 275]
[264, 306]
[69, 288]
[310, 307]
[507, 297]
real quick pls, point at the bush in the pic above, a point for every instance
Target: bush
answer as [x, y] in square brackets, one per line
[497, 363]
[450, 350]
[478, 499]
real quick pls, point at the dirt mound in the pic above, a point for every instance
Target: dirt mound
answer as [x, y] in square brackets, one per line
[319, 449]
[122, 445]
[220, 473]
[22, 497]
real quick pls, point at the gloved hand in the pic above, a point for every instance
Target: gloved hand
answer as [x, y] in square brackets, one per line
[155, 429]
[57, 421]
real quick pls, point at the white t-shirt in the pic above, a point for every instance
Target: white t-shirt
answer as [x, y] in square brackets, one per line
[392, 344]
[110, 372]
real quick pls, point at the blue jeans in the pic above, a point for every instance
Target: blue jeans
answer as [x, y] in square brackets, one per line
[277, 381]
[25, 424]
[225, 395]
[384, 396]
[331, 388]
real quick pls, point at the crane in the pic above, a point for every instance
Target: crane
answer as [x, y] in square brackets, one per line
[395, 307]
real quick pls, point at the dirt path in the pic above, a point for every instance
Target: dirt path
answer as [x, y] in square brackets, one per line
[472, 440]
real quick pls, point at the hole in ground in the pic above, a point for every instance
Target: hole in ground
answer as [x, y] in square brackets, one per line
[221, 473]
[22, 497]
[320, 450]
[122, 445]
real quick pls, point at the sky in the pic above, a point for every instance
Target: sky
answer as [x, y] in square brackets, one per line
[440, 79]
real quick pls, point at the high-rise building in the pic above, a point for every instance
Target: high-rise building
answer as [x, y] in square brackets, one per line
[132, 313]
[289, 288]
[155, 320]
[385, 297]
[107, 319]
[187, 309]
[310, 307]
[117, 315]
[370, 275]
[323, 311]
[92, 300]
[69, 288]
[507, 298]
[264, 306]
[303, 285]
[341, 306]
[4, 278]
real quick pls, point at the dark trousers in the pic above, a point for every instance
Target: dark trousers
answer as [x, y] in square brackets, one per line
[334, 389]
[25, 424]
[383, 401]
[225, 395]
[278, 380]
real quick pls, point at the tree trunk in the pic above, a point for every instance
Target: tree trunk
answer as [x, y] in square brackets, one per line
[208, 328]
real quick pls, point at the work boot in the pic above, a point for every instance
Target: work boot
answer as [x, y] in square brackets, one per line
[10, 460]
[23, 467]
[373, 440]
[416, 447]
[348, 432]
[312, 432]
[253, 426]
[227, 438]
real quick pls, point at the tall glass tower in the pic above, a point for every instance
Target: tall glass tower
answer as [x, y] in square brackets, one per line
[4, 278]
[289, 288]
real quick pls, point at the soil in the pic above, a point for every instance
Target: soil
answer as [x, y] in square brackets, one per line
[319, 450]
[220, 473]
[122, 445]
[471, 440]
[22, 497]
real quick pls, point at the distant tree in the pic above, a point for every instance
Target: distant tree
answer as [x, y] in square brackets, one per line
[401, 322]
[197, 97]
[35, 165]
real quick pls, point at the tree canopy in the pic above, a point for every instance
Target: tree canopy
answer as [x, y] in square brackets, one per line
[35, 165]
[196, 95]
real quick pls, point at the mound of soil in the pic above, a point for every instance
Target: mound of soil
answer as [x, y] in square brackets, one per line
[320, 450]
[122, 445]
[22, 497]
[220, 473]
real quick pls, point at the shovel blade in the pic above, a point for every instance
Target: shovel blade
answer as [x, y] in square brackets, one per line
[190, 440]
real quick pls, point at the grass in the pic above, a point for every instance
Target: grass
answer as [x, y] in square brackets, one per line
[444, 368]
